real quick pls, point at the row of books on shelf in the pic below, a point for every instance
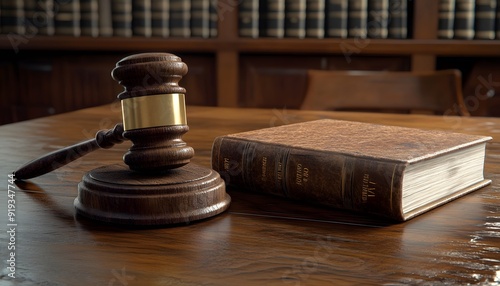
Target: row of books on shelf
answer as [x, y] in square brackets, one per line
[121, 18]
[324, 19]
[469, 19]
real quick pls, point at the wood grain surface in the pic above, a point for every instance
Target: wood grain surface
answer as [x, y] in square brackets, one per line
[260, 240]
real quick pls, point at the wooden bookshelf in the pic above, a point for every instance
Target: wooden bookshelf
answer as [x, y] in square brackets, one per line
[226, 70]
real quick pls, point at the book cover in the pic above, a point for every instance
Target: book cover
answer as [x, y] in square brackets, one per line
[180, 18]
[497, 26]
[67, 18]
[272, 14]
[89, 21]
[200, 18]
[398, 19]
[315, 19]
[378, 18]
[214, 19]
[106, 17]
[141, 18]
[12, 17]
[336, 19]
[464, 19]
[446, 19]
[389, 171]
[159, 18]
[357, 18]
[248, 19]
[295, 19]
[121, 18]
[485, 14]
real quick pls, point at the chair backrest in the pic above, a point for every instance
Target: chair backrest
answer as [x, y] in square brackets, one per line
[437, 92]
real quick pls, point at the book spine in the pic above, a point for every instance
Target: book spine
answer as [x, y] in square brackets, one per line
[331, 179]
[67, 18]
[29, 13]
[446, 19]
[160, 18]
[89, 17]
[141, 18]
[106, 17]
[485, 19]
[274, 18]
[315, 19]
[398, 19]
[378, 17]
[336, 19]
[122, 18]
[214, 19]
[464, 19]
[248, 19]
[200, 18]
[357, 18]
[180, 18]
[295, 18]
[497, 25]
[12, 20]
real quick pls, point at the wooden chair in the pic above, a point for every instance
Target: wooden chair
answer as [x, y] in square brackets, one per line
[437, 92]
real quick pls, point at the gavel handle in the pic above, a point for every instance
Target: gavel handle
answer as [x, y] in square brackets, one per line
[103, 139]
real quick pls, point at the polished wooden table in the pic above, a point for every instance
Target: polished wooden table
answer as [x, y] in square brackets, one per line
[260, 240]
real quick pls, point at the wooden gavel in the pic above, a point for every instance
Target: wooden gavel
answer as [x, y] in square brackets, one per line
[159, 186]
[154, 119]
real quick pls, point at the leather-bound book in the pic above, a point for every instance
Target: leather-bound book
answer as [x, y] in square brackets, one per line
[315, 19]
[141, 18]
[484, 23]
[336, 18]
[378, 18]
[398, 19]
[357, 18]
[248, 19]
[446, 19]
[388, 171]
[295, 18]
[464, 19]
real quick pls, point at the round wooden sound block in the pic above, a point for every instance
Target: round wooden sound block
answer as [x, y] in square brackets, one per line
[115, 194]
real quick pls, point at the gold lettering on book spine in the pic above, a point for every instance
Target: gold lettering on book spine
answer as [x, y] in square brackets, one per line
[264, 169]
[368, 188]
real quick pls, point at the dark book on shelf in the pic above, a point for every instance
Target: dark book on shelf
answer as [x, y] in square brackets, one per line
[336, 19]
[89, 19]
[295, 18]
[122, 18]
[485, 15]
[200, 18]
[12, 17]
[464, 19]
[180, 18]
[357, 18]
[388, 171]
[39, 16]
[141, 18]
[497, 26]
[67, 18]
[378, 19]
[248, 19]
[398, 19]
[106, 17]
[272, 18]
[214, 20]
[446, 19]
[159, 18]
[315, 19]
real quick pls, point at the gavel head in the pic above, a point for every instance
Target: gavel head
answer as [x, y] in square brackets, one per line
[154, 111]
